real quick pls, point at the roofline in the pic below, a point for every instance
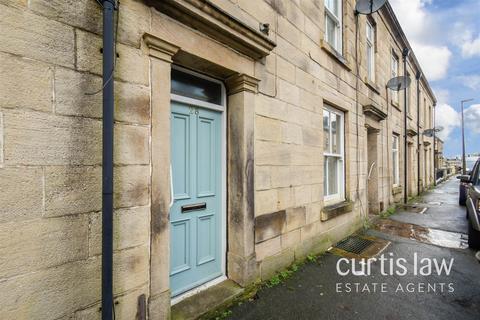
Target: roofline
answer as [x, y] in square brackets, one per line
[396, 24]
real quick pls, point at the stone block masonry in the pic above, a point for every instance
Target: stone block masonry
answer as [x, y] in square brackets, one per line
[278, 87]
[50, 161]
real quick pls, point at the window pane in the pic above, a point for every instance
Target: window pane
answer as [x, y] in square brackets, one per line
[370, 51]
[330, 31]
[336, 132]
[395, 172]
[339, 133]
[328, 3]
[394, 167]
[394, 67]
[325, 174]
[333, 6]
[370, 61]
[477, 177]
[333, 125]
[332, 175]
[326, 131]
[188, 85]
[369, 32]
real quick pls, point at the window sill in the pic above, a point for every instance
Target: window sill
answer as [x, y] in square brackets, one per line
[335, 210]
[372, 85]
[397, 190]
[335, 54]
[396, 105]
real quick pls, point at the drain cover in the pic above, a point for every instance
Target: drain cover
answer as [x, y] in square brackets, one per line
[354, 244]
[413, 208]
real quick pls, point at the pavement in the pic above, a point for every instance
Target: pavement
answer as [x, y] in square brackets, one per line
[318, 291]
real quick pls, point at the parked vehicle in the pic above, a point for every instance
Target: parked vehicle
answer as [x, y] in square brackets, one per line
[472, 182]
[471, 162]
[464, 182]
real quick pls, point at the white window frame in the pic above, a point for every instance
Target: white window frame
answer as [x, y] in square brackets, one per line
[370, 36]
[396, 159]
[337, 41]
[340, 195]
[394, 64]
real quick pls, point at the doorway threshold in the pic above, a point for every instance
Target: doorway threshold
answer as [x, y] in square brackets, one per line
[199, 301]
[197, 290]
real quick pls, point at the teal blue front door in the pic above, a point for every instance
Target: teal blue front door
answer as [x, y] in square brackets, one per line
[196, 214]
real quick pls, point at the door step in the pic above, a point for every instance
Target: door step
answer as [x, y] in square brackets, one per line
[195, 306]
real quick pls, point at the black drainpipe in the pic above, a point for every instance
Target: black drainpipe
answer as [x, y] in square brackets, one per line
[107, 160]
[419, 75]
[405, 146]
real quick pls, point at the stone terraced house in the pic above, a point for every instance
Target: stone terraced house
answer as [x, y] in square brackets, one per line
[248, 134]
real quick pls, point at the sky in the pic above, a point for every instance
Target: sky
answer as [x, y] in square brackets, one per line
[445, 37]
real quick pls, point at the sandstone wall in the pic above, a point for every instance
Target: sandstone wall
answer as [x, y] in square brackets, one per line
[50, 147]
[50, 144]
[297, 79]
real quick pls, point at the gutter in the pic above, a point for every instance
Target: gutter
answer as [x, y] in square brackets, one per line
[109, 7]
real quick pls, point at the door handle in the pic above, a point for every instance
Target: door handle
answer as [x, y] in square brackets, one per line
[194, 207]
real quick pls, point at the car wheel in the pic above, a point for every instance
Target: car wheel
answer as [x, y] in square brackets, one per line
[473, 237]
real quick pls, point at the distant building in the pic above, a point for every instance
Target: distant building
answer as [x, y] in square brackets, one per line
[455, 165]
[444, 168]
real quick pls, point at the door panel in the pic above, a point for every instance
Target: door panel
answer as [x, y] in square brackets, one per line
[205, 239]
[180, 236]
[181, 154]
[206, 157]
[195, 217]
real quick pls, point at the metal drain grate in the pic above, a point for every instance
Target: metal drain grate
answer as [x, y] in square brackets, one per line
[414, 208]
[354, 244]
